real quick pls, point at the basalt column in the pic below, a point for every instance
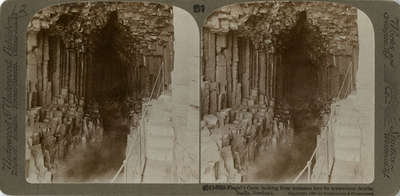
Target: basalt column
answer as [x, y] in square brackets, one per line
[270, 74]
[90, 66]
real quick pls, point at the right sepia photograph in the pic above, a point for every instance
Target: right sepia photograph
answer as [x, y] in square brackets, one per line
[287, 94]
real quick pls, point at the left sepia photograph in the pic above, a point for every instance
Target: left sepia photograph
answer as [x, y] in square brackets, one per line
[112, 94]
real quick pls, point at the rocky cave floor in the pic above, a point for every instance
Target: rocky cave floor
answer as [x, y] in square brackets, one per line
[66, 144]
[251, 143]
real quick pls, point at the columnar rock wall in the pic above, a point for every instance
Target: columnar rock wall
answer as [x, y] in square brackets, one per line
[278, 63]
[81, 55]
[246, 47]
[263, 22]
[62, 54]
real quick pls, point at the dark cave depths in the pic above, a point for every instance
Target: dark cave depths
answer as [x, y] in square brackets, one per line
[303, 99]
[90, 66]
[108, 103]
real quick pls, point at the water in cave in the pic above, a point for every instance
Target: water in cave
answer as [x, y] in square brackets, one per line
[108, 102]
[302, 97]
[89, 69]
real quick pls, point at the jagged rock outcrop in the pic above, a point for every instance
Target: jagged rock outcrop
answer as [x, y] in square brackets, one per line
[232, 139]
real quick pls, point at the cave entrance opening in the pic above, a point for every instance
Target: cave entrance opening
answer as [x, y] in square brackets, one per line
[299, 103]
[90, 69]
[303, 75]
[111, 97]
[111, 82]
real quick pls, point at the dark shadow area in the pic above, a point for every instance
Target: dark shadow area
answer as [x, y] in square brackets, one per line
[303, 99]
[111, 73]
[108, 104]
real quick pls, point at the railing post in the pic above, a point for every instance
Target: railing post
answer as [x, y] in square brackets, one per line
[327, 151]
[126, 171]
[309, 171]
[145, 135]
[139, 129]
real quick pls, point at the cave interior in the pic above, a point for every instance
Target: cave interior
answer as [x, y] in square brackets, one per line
[88, 70]
[294, 70]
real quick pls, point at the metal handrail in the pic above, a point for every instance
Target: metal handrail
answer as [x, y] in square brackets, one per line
[144, 113]
[155, 82]
[344, 81]
[308, 165]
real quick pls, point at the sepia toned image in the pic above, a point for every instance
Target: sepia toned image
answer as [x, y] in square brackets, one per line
[287, 94]
[112, 94]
